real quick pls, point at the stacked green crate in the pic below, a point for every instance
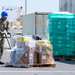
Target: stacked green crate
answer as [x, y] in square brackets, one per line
[61, 29]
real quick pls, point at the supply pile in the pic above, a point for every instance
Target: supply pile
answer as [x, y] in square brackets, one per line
[30, 52]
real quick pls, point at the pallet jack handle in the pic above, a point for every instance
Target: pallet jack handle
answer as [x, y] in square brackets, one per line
[7, 39]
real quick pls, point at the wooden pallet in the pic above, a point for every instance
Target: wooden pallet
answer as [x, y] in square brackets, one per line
[64, 58]
[43, 65]
[16, 65]
[27, 66]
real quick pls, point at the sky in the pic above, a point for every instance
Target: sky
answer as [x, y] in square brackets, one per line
[33, 5]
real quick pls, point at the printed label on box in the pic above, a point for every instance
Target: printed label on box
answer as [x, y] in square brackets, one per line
[44, 57]
[31, 56]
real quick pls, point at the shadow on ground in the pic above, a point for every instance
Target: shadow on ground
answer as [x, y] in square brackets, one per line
[72, 62]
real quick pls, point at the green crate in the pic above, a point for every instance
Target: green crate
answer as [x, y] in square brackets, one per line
[63, 51]
[67, 53]
[61, 29]
[61, 15]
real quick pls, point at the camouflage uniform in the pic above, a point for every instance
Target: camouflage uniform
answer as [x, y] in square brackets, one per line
[3, 26]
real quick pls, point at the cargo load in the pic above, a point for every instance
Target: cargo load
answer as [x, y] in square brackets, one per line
[29, 52]
[61, 28]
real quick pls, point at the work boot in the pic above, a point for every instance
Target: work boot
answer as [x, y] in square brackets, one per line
[1, 63]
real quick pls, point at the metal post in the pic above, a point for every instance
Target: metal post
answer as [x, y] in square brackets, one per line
[25, 6]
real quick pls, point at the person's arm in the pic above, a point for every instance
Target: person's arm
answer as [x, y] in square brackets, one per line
[7, 27]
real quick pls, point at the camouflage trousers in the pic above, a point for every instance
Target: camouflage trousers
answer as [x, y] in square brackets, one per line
[1, 46]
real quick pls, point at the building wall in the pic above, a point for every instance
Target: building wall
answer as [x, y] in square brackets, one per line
[67, 5]
[12, 12]
[73, 6]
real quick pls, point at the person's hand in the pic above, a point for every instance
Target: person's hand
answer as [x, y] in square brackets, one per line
[8, 33]
[2, 33]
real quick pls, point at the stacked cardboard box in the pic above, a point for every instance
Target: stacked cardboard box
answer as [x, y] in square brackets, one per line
[32, 56]
[33, 53]
[44, 54]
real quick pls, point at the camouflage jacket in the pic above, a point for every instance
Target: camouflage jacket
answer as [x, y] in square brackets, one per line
[4, 25]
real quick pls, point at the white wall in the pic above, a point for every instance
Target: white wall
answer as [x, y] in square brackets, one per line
[12, 12]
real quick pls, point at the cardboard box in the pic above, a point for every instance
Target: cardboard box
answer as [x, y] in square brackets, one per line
[34, 55]
[23, 38]
[20, 44]
[42, 42]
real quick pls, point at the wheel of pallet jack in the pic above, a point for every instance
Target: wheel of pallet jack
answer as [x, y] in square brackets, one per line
[27, 66]
[8, 65]
[53, 65]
